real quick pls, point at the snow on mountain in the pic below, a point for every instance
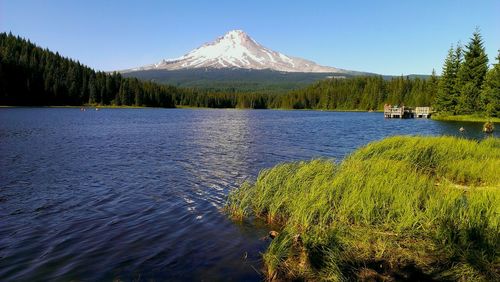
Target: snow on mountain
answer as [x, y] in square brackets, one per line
[238, 50]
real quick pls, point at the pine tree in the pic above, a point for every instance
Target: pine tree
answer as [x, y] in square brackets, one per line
[472, 74]
[447, 95]
[490, 95]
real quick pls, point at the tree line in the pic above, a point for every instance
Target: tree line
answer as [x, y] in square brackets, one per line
[467, 86]
[361, 93]
[30, 75]
[357, 93]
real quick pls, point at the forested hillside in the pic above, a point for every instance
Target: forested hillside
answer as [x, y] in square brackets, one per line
[30, 75]
[357, 93]
[231, 80]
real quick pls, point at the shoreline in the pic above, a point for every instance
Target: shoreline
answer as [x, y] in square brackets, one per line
[191, 108]
[83, 106]
[466, 118]
[456, 118]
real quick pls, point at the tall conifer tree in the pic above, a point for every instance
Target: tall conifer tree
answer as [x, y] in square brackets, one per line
[472, 73]
[447, 95]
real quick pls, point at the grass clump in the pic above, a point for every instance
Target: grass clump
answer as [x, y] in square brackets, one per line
[401, 208]
[471, 118]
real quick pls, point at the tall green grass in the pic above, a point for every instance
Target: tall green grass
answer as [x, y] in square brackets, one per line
[471, 118]
[418, 207]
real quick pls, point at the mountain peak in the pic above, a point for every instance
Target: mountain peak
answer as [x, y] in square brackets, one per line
[235, 33]
[236, 49]
[234, 37]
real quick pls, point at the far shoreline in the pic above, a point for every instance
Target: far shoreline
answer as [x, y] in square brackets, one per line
[186, 107]
[454, 118]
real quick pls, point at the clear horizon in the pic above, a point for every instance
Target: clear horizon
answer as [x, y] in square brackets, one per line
[390, 37]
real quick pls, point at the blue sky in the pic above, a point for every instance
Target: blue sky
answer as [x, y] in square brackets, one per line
[387, 37]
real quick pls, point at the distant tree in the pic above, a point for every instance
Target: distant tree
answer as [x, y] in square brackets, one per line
[472, 73]
[431, 89]
[93, 99]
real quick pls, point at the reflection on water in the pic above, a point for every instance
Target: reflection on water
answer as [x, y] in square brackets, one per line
[222, 146]
[136, 194]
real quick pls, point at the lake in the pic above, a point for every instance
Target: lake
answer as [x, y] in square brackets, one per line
[135, 194]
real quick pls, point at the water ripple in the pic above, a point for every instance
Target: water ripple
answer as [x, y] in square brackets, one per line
[136, 194]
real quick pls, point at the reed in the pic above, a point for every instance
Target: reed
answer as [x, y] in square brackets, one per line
[418, 207]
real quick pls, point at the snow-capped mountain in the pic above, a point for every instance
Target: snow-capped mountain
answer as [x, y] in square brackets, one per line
[238, 50]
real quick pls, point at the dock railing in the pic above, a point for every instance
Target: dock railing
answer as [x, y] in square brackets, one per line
[396, 111]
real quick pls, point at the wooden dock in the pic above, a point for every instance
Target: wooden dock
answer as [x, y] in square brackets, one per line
[396, 111]
[423, 112]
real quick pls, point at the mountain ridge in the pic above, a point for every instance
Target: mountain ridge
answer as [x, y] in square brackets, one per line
[236, 49]
[235, 60]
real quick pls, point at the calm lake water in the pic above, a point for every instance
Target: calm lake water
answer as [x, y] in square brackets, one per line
[135, 194]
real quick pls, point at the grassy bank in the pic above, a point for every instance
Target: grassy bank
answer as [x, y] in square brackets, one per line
[471, 118]
[401, 208]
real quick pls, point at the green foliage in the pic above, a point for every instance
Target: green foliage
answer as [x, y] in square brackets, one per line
[448, 92]
[490, 95]
[360, 93]
[215, 99]
[231, 80]
[356, 93]
[478, 117]
[472, 73]
[32, 76]
[430, 204]
[466, 86]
